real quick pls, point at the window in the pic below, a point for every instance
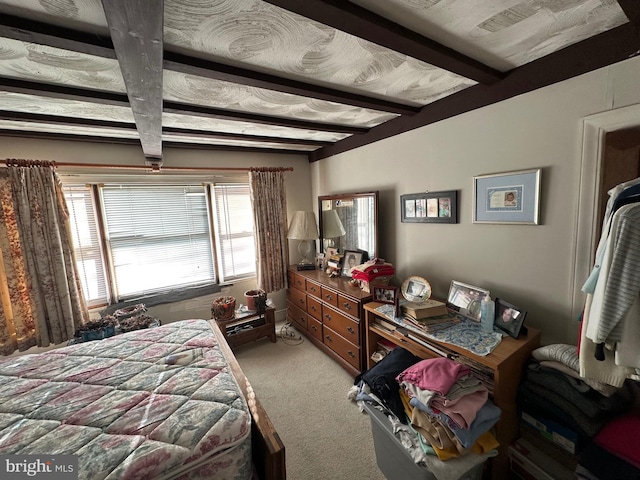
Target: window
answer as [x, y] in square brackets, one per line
[87, 249]
[234, 231]
[159, 237]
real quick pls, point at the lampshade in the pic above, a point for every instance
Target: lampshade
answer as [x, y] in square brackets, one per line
[303, 226]
[331, 224]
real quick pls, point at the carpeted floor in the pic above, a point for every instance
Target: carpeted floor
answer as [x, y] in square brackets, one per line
[304, 392]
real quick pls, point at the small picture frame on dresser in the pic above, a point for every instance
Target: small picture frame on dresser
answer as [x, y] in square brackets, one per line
[387, 294]
[509, 318]
[351, 259]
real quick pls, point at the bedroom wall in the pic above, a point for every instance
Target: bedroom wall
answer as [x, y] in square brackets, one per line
[297, 184]
[529, 266]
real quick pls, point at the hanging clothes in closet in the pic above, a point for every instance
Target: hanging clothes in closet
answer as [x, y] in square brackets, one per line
[610, 331]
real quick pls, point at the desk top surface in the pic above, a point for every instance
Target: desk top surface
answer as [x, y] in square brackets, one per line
[507, 348]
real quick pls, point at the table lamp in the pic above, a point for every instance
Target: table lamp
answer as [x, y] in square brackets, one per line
[331, 227]
[303, 227]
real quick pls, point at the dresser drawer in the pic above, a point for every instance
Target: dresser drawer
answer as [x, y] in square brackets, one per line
[329, 296]
[297, 316]
[296, 281]
[314, 327]
[314, 289]
[342, 347]
[340, 323]
[349, 306]
[314, 307]
[298, 298]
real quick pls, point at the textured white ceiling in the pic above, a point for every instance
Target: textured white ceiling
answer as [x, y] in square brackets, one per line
[259, 37]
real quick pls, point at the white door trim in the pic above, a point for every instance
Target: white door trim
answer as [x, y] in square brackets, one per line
[595, 127]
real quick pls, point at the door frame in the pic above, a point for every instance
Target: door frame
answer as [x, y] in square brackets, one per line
[594, 128]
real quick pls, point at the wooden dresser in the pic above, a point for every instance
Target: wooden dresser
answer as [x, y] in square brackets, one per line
[329, 311]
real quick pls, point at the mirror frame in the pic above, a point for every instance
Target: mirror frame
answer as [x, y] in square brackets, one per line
[348, 196]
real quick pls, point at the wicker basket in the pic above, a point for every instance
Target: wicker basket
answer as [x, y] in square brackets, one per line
[223, 308]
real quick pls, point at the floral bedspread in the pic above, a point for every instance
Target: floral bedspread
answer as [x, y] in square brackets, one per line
[125, 412]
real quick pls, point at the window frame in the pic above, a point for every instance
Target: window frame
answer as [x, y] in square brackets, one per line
[198, 288]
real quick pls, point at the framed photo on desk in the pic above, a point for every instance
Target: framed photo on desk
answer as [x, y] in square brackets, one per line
[509, 318]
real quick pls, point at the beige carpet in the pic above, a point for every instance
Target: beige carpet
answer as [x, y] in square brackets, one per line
[304, 392]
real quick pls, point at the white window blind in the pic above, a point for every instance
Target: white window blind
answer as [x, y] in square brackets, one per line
[235, 240]
[159, 237]
[87, 249]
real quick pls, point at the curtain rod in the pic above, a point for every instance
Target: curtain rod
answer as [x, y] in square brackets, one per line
[150, 168]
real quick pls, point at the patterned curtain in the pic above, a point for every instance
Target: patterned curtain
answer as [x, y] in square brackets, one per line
[269, 202]
[42, 301]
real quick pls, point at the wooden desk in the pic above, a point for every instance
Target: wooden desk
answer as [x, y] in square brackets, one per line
[249, 328]
[502, 369]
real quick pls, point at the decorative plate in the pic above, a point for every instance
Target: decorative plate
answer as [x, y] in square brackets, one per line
[416, 289]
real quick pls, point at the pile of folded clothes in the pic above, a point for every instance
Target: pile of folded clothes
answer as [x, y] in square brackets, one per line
[552, 388]
[374, 272]
[613, 453]
[596, 420]
[439, 409]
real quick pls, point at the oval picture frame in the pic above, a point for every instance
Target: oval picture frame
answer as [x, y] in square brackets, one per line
[416, 289]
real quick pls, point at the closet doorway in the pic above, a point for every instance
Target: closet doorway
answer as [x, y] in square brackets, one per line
[607, 160]
[620, 163]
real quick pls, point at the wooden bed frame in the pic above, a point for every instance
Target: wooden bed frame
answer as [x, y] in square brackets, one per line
[267, 448]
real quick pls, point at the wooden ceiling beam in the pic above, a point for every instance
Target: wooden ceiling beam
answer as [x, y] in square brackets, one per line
[596, 52]
[25, 87]
[631, 9]
[131, 141]
[217, 71]
[34, 118]
[216, 113]
[362, 23]
[136, 28]
[106, 98]
[243, 137]
[30, 31]
[62, 120]
[25, 30]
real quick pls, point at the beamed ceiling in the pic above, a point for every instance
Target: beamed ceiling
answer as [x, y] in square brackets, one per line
[316, 77]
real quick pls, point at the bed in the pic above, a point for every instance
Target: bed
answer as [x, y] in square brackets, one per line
[169, 402]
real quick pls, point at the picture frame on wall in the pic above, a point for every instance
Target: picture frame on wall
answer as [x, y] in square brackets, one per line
[429, 207]
[509, 197]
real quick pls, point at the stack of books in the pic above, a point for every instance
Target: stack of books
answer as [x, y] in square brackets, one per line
[429, 316]
[385, 345]
[335, 260]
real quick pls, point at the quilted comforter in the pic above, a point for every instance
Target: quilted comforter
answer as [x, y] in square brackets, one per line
[125, 412]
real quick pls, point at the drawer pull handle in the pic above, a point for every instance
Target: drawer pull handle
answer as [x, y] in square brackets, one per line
[328, 317]
[350, 330]
[329, 339]
[351, 354]
[313, 308]
[347, 306]
[328, 297]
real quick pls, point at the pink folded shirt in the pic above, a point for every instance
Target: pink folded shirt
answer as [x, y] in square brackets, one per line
[435, 374]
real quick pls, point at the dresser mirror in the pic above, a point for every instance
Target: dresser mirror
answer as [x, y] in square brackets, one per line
[349, 221]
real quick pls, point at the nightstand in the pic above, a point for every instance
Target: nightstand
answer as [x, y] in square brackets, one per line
[246, 328]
